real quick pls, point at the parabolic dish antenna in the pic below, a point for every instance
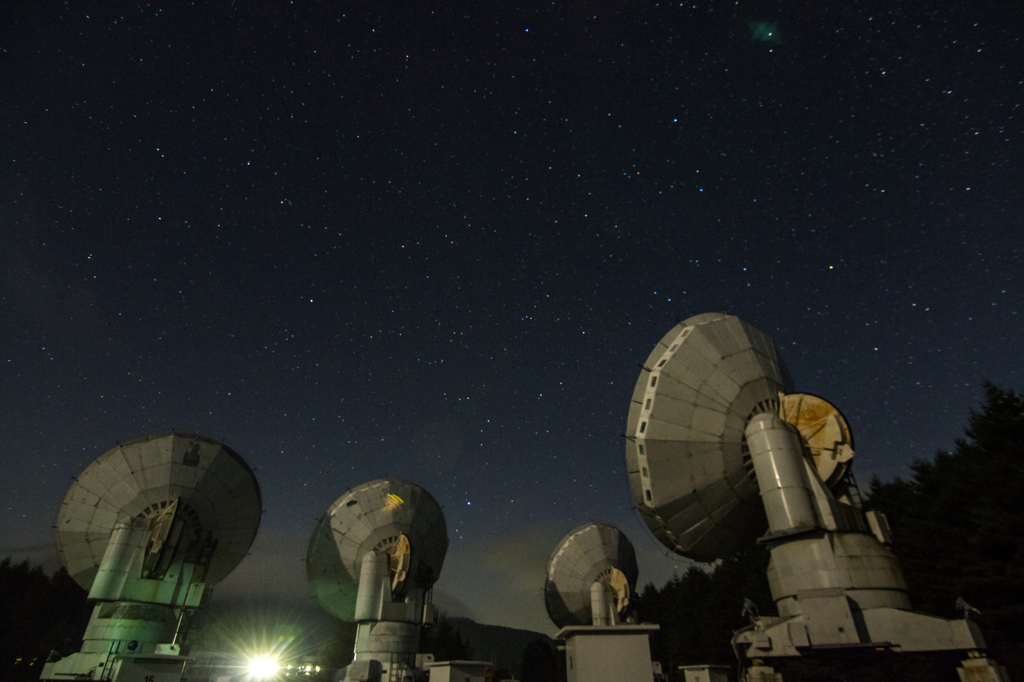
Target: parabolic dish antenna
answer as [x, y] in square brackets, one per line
[390, 516]
[177, 476]
[720, 450]
[689, 468]
[594, 553]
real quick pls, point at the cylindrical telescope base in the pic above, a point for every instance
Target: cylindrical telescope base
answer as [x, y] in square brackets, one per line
[124, 549]
[392, 644]
[778, 459]
[866, 571]
[373, 574]
[600, 604]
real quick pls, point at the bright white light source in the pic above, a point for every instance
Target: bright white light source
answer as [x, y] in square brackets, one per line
[262, 668]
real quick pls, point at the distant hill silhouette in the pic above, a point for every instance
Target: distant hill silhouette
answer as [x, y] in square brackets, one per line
[504, 646]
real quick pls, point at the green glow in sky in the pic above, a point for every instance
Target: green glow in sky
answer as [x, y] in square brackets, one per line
[765, 32]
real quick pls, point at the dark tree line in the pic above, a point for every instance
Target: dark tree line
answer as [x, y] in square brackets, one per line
[38, 614]
[958, 524]
[699, 611]
[445, 641]
[542, 663]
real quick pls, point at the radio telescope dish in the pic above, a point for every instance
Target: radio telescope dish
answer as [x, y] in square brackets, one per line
[181, 475]
[146, 529]
[389, 516]
[594, 553]
[689, 468]
[720, 450]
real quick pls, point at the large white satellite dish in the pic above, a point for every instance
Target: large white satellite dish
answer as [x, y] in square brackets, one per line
[372, 559]
[147, 528]
[216, 492]
[720, 450]
[375, 516]
[689, 468]
[591, 578]
[595, 557]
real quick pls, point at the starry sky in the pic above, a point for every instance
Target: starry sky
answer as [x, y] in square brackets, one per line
[434, 240]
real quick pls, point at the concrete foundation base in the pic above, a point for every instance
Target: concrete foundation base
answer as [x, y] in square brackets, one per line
[762, 673]
[384, 650]
[608, 653]
[705, 673]
[92, 666]
[981, 669]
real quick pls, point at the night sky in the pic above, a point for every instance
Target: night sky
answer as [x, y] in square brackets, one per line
[434, 240]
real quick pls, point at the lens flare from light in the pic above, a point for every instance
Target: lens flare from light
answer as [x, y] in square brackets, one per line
[262, 668]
